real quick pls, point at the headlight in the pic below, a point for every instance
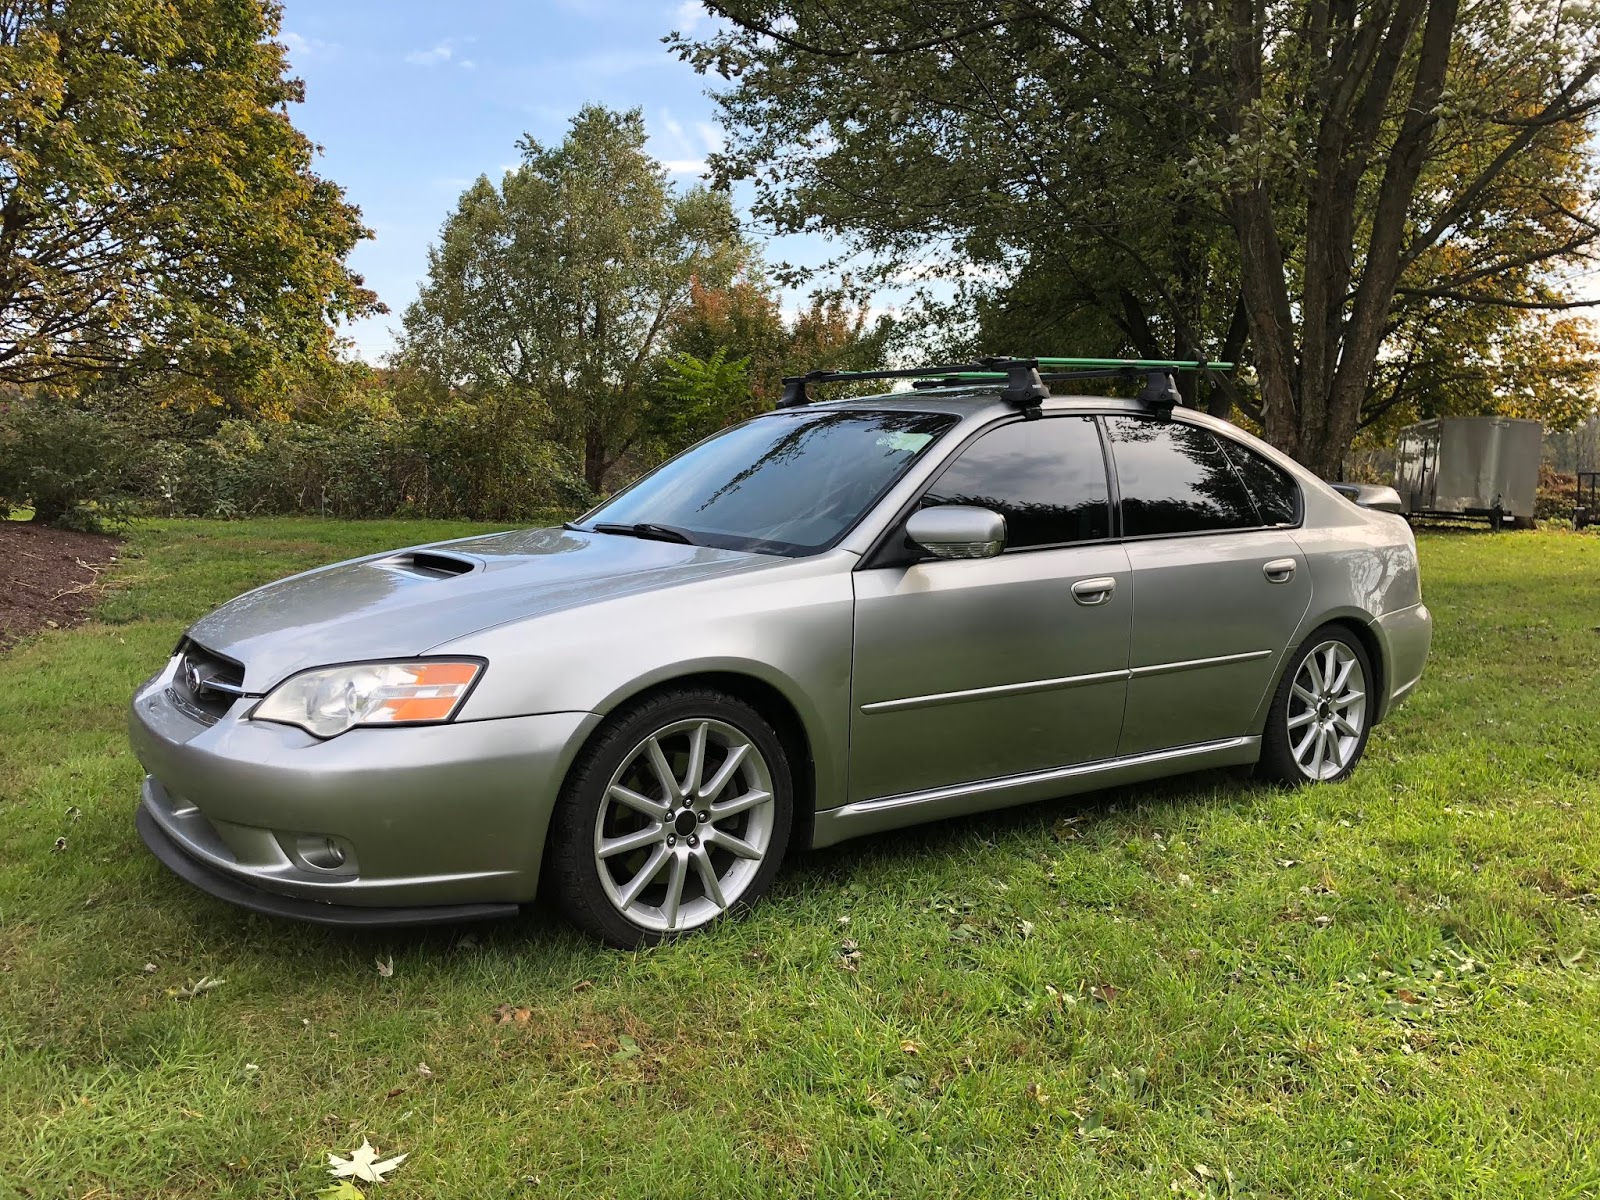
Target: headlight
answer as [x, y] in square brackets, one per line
[330, 700]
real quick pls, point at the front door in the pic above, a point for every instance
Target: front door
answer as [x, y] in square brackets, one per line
[1220, 585]
[979, 669]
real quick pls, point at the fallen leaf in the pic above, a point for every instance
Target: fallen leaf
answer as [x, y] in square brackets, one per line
[385, 969]
[1286, 863]
[343, 1190]
[149, 968]
[204, 984]
[61, 844]
[910, 1047]
[1066, 829]
[583, 985]
[627, 1048]
[1323, 921]
[506, 1014]
[74, 812]
[1407, 996]
[1033, 1093]
[1571, 960]
[393, 1092]
[424, 1070]
[363, 1164]
[1104, 992]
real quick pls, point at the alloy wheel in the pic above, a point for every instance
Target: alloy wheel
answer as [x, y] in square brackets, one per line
[684, 826]
[1327, 710]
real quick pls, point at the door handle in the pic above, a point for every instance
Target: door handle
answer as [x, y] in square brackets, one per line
[1094, 591]
[1279, 570]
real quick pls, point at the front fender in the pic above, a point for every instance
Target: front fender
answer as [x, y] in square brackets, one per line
[788, 627]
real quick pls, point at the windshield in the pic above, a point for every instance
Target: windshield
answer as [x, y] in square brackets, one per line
[790, 483]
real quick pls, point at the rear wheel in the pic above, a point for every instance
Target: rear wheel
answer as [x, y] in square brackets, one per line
[1321, 713]
[678, 812]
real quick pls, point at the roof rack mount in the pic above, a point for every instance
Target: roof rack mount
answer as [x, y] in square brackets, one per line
[1025, 383]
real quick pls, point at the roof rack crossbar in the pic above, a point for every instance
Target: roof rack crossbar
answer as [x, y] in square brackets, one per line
[1025, 383]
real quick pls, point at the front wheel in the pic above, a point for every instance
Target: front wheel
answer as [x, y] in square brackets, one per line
[1321, 713]
[678, 812]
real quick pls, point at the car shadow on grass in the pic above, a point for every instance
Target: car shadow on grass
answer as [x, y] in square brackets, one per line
[1027, 823]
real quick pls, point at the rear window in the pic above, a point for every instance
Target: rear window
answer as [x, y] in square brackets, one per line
[1174, 478]
[1271, 487]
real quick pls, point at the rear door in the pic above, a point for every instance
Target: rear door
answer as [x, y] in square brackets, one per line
[1220, 585]
[978, 669]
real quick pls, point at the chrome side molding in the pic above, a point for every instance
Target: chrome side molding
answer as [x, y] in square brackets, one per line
[912, 808]
[1064, 681]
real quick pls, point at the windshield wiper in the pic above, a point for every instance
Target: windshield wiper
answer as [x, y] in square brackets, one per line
[648, 530]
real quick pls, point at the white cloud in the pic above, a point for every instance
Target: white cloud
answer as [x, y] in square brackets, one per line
[685, 166]
[466, 64]
[441, 52]
[710, 135]
[301, 47]
[689, 16]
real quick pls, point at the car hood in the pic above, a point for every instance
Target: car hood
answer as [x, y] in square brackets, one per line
[407, 602]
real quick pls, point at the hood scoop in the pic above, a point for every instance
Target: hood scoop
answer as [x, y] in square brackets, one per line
[428, 564]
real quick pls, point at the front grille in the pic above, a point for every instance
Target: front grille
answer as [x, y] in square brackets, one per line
[205, 684]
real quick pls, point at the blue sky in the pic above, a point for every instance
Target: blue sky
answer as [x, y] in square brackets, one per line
[412, 100]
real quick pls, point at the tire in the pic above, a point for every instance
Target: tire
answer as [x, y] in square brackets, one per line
[1292, 751]
[623, 843]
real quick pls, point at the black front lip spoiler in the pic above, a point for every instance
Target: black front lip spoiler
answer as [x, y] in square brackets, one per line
[344, 916]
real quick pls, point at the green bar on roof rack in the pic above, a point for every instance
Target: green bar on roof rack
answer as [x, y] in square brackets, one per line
[1138, 364]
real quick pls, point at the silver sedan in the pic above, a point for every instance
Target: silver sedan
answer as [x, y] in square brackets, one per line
[829, 621]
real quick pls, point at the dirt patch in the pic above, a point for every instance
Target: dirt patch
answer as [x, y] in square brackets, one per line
[47, 577]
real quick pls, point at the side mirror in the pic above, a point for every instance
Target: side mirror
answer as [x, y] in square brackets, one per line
[1369, 495]
[958, 531]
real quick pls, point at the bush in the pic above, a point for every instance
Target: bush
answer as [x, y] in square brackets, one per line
[72, 466]
[1556, 493]
[480, 462]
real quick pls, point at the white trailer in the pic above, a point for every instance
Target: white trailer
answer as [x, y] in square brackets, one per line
[1485, 467]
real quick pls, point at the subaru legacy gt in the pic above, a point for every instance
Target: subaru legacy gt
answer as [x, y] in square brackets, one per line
[831, 620]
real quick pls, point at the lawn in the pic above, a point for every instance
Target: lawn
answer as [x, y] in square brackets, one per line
[1388, 988]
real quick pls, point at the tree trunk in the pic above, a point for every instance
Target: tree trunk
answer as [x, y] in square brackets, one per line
[594, 459]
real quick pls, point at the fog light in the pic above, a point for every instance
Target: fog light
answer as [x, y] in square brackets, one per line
[324, 853]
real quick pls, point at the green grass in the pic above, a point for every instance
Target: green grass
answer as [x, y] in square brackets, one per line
[1385, 988]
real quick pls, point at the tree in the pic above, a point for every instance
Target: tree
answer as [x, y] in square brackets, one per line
[561, 283]
[1206, 176]
[745, 322]
[158, 210]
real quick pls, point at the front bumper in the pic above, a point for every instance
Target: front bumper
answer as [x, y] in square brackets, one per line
[436, 815]
[235, 891]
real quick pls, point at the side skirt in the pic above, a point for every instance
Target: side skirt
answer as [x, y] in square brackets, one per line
[913, 808]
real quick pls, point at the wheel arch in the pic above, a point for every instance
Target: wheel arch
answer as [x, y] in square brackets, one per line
[775, 707]
[1364, 629]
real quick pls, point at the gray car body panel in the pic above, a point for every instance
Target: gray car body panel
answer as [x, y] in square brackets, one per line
[920, 691]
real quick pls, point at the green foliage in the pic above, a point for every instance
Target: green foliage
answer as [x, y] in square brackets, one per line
[66, 463]
[695, 397]
[561, 283]
[157, 208]
[1312, 188]
[487, 462]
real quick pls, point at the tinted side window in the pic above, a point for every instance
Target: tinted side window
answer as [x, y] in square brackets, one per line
[1046, 477]
[1271, 487]
[1175, 479]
